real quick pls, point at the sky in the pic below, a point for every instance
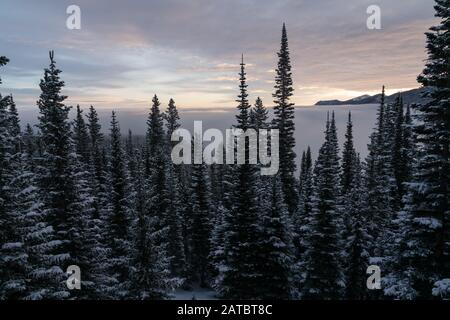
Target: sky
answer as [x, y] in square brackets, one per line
[127, 51]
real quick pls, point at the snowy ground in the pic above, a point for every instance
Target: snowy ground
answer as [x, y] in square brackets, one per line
[196, 293]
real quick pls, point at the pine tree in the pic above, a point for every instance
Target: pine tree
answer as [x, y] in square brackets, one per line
[119, 215]
[202, 215]
[428, 245]
[259, 115]
[278, 249]
[356, 237]
[174, 221]
[172, 118]
[164, 202]
[284, 114]
[33, 263]
[155, 158]
[13, 258]
[240, 272]
[174, 185]
[150, 274]
[380, 182]
[221, 226]
[64, 182]
[348, 156]
[28, 269]
[323, 279]
[259, 119]
[303, 212]
[64, 199]
[97, 165]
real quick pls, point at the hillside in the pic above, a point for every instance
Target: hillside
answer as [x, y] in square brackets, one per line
[410, 96]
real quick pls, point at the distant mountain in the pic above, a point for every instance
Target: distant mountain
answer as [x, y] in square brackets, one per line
[410, 96]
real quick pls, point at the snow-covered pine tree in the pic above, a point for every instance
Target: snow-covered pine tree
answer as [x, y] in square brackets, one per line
[201, 225]
[284, 114]
[97, 165]
[323, 274]
[119, 216]
[155, 159]
[349, 211]
[172, 118]
[31, 266]
[12, 255]
[179, 181]
[259, 119]
[221, 227]
[348, 156]
[277, 278]
[174, 221]
[13, 258]
[164, 203]
[428, 240]
[259, 115]
[240, 273]
[380, 183]
[87, 227]
[356, 238]
[177, 190]
[301, 216]
[65, 199]
[150, 273]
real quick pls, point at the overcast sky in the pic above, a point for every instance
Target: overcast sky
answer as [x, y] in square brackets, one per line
[190, 50]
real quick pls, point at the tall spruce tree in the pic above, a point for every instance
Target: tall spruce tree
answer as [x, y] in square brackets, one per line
[119, 216]
[241, 270]
[428, 245]
[202, 217]
[150, 274]
[277, 279]
[323, 274]
[30, 269]
[164, 204]
[98, 168]
[348, 156]
[259, 115]
[356, 238]
[172, 118]
[284, 114]
[13, 257]
[303, 212]
[380, 182]
[63, 201]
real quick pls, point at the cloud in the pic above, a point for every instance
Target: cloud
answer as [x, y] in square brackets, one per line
[191, 50]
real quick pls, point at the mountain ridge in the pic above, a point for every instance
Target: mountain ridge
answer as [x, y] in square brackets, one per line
[409, 96]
